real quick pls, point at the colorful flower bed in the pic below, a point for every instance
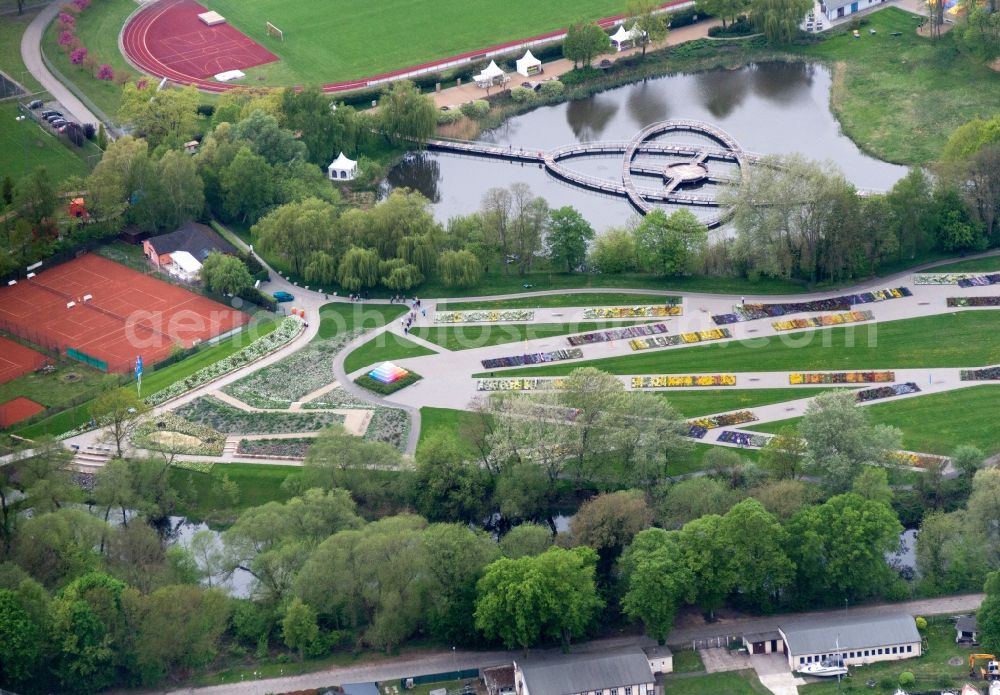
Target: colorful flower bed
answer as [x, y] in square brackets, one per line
[724, 420]
[796, 378]
[618, 334]
[909, 458]
[224, 418]
[683, 338]
[941, 278]
[284, 382]
[980, 280]
[534, 358]
[825, 320]
[519, 384]
[752, 312]
[660, 381]
[286, 330]
[483, 316]
[366, 381]
[866, 395]
[744, 438]
[986, 374]
[973, 301]
[274, 448]
[632, 312]
[170, 432]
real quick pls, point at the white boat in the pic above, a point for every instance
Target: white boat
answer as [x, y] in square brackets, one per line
[995, 688]
[827, 668]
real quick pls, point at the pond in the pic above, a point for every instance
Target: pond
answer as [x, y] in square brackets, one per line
[769, 108]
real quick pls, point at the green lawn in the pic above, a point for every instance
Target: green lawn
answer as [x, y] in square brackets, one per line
[562, 300]
[687, 661]
[70, 382]
[729, 683]
[900, 97]
[468, 337]
[932, 671]
[26, 146]
[948, 340]
[203, 496]
[456, 422]
[97, 28]
[965, 416]
[697, 403]
[11, 29]
[974, 265]
[338, 317]
[384, 346]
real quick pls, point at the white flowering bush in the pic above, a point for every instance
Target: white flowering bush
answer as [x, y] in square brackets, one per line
[284, 333]
[483, 316]
[196, 466]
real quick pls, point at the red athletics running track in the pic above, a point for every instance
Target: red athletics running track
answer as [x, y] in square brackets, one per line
[129, 314]
[142, 36]
[16, 359]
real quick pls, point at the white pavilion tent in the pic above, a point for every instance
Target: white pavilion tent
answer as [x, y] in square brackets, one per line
[342, 168]
[491, 76]
[623, 36]
[184, 266]
[529, 65]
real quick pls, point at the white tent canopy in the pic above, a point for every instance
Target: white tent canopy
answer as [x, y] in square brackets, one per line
[529, 65]
[185, 265]
[623, 35]
[491, 75]
[342, 168]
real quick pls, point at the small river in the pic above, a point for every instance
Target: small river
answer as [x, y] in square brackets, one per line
[770, 108]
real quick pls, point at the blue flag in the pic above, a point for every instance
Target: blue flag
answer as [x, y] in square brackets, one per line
[138, 366]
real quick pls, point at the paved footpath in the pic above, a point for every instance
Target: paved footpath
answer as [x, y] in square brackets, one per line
[438, 661]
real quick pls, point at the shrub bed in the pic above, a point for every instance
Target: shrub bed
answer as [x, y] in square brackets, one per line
[988, 374]
[284, 448]
[389, 425]
[973, 301]
[744, 438]
[365, 381]
[518, 384]
[216, 414]
[170, 432]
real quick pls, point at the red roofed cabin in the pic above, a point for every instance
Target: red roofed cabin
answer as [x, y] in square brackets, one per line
[196, 239]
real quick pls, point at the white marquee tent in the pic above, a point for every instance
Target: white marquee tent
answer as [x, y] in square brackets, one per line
[184, 265]
[342, 168]
[623, 36]
[529, 65]
[492, 75]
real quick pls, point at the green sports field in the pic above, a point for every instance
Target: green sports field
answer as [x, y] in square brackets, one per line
[339, 40]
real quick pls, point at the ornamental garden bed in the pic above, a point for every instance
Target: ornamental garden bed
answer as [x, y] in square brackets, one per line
[483, 316]
[744, 438]
[825, 320]
[617, 334]
[941, 278]
[519, 384]
[973, 301]
[389, 425]
[632, 312]
[337, 398]
[986, 374]
[683, 338]
[752, 312]
[875, 394]
[660, 381]
[170, 432]
[534, 358]
[980, 280]
[289, 380]
[224, 418]
[724, 420]
[286, 330]
[915, 460]
[275, 448]
[796, 378]
[365, 381]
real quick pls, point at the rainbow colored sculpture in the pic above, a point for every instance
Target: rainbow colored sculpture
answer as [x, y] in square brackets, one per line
[387, 373]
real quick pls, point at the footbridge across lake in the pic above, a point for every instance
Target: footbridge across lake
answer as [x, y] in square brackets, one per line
[678, 177]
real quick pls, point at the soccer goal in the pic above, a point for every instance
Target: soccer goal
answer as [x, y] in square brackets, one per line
[274, 31]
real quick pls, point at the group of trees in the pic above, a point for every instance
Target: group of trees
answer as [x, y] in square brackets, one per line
[674, 244]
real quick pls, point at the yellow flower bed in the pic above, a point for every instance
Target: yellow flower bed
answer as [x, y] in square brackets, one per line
[659, 381]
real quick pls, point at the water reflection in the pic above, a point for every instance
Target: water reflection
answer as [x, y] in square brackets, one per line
[770, 108]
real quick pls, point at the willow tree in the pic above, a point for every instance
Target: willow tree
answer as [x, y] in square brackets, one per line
[779, 20]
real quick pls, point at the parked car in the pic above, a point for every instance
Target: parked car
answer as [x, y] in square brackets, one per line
[52, 114]
[282, 296]
[36, 104]
[48, 112]
[56, 122]
[55, 117]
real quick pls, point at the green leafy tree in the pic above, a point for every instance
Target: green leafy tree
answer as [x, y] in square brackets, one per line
[459, 268]
[160, 116]
[175, 195]
[670, 245]
[723, 9]
[449, 488]
[608, 523]
[912, 206]
[260, 130]
[226, 274]
[988, 615]
[583, 41]
[646, 17]
[308, 111]
[59, 546]
[119, 412]
[779, 19]
[783, 456]
[122, 177]
[757, 551]
[7, 190]
[615, 251]
[873, 484]
[545, 597]
[358, 269]
[248, 186]
[36, 197]
[657, 580]
[703, 544]
[526, 539]
[299, 628]
[296, 231]
[320, 270]
[983, 512]
[784, 497]
[949, 554]
[22, 642]
[967, 458]
[693, 498]
[406, 114]
[568, 234]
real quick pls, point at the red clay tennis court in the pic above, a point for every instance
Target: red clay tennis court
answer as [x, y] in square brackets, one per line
[16, 360]
[168, 39]
[110, 313]
[18, 409]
